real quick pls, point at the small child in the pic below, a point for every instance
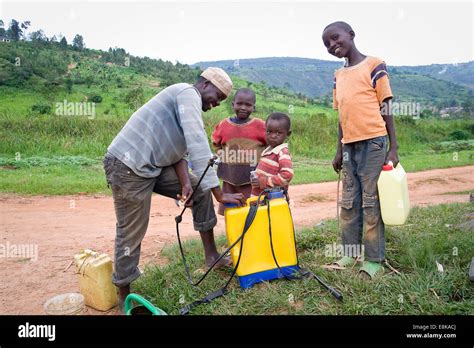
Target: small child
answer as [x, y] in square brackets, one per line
[275, 167]
[239, 141]
[362, 95]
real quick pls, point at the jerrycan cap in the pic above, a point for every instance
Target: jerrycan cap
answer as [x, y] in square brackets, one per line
[277, 194]
[230, 205]
[387, 167]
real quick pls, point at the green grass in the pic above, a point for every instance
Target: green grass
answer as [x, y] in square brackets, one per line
[459, 192]
[30, 136]
[430, 235]
[54, 180]
[49, 144]
[73, 174]
[308, 170]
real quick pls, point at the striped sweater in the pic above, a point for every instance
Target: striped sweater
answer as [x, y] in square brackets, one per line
[274, 169]
[239, 147]
[166, 129]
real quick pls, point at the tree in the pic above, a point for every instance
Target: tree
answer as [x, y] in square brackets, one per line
[38, 36]
[78, 42]
[14, 32]
[69, 84]
[63, 42]
[2, 29]
[25, 26]
[467, 104]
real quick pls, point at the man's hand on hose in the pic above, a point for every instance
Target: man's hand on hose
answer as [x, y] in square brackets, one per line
[181, 169]
[186, 192]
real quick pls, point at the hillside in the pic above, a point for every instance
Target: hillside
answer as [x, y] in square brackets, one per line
[49, 74]
[45, 150]
[461, 74]
[313, 77]
[48, 65]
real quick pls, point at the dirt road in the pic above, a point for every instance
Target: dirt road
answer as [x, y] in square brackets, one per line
[59, 226]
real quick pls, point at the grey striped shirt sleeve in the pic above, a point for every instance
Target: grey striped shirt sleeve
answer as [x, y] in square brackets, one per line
[189, 110]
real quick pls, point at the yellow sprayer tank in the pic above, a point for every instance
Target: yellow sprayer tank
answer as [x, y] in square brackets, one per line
[95, 279]
[257, 263]
[393, 193]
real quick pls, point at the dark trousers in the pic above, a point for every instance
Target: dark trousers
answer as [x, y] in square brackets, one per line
[361, 220]
[132, 200]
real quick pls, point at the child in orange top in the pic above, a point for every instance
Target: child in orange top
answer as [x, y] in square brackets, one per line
[362, 95]
[239, 141]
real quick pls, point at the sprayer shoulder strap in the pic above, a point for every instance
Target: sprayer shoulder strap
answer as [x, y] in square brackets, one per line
[222, 291]
[211, 296]
[304, 273]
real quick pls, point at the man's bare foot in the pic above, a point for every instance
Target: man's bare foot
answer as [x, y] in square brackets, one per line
[224, 262]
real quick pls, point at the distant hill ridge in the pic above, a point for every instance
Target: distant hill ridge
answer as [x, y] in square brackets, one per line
[435, 83]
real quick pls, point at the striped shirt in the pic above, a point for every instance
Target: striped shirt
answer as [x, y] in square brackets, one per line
[163, 131]
[239, 147]
[274, 169]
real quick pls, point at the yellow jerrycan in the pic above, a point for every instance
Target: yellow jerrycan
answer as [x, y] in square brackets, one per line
[95, 279]
[393, 194]
[257, 263]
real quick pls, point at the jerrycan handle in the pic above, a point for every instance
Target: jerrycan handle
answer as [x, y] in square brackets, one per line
[247, 202]
[389, 166]
[271, 195]
[142, 301]
[251, 199]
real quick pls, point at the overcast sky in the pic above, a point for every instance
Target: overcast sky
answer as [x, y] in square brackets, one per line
[401, 32]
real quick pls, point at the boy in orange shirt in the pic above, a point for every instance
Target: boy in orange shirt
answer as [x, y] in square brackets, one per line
[361, 91]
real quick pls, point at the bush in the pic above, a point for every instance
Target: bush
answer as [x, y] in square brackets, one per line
[408, 120]
[95, 98]
[459, 134]
[69, 84]
[135, 98]
[41, 109]
[470, 128]
[450, 146]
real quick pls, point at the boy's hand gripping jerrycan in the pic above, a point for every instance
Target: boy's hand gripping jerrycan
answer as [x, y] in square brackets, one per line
[393, 194]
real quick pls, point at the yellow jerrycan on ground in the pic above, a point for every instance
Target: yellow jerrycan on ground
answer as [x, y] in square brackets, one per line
[257, 263]
[95, 279]
[393, 194]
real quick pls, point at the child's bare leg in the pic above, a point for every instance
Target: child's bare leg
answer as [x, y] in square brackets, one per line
[210, 249]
